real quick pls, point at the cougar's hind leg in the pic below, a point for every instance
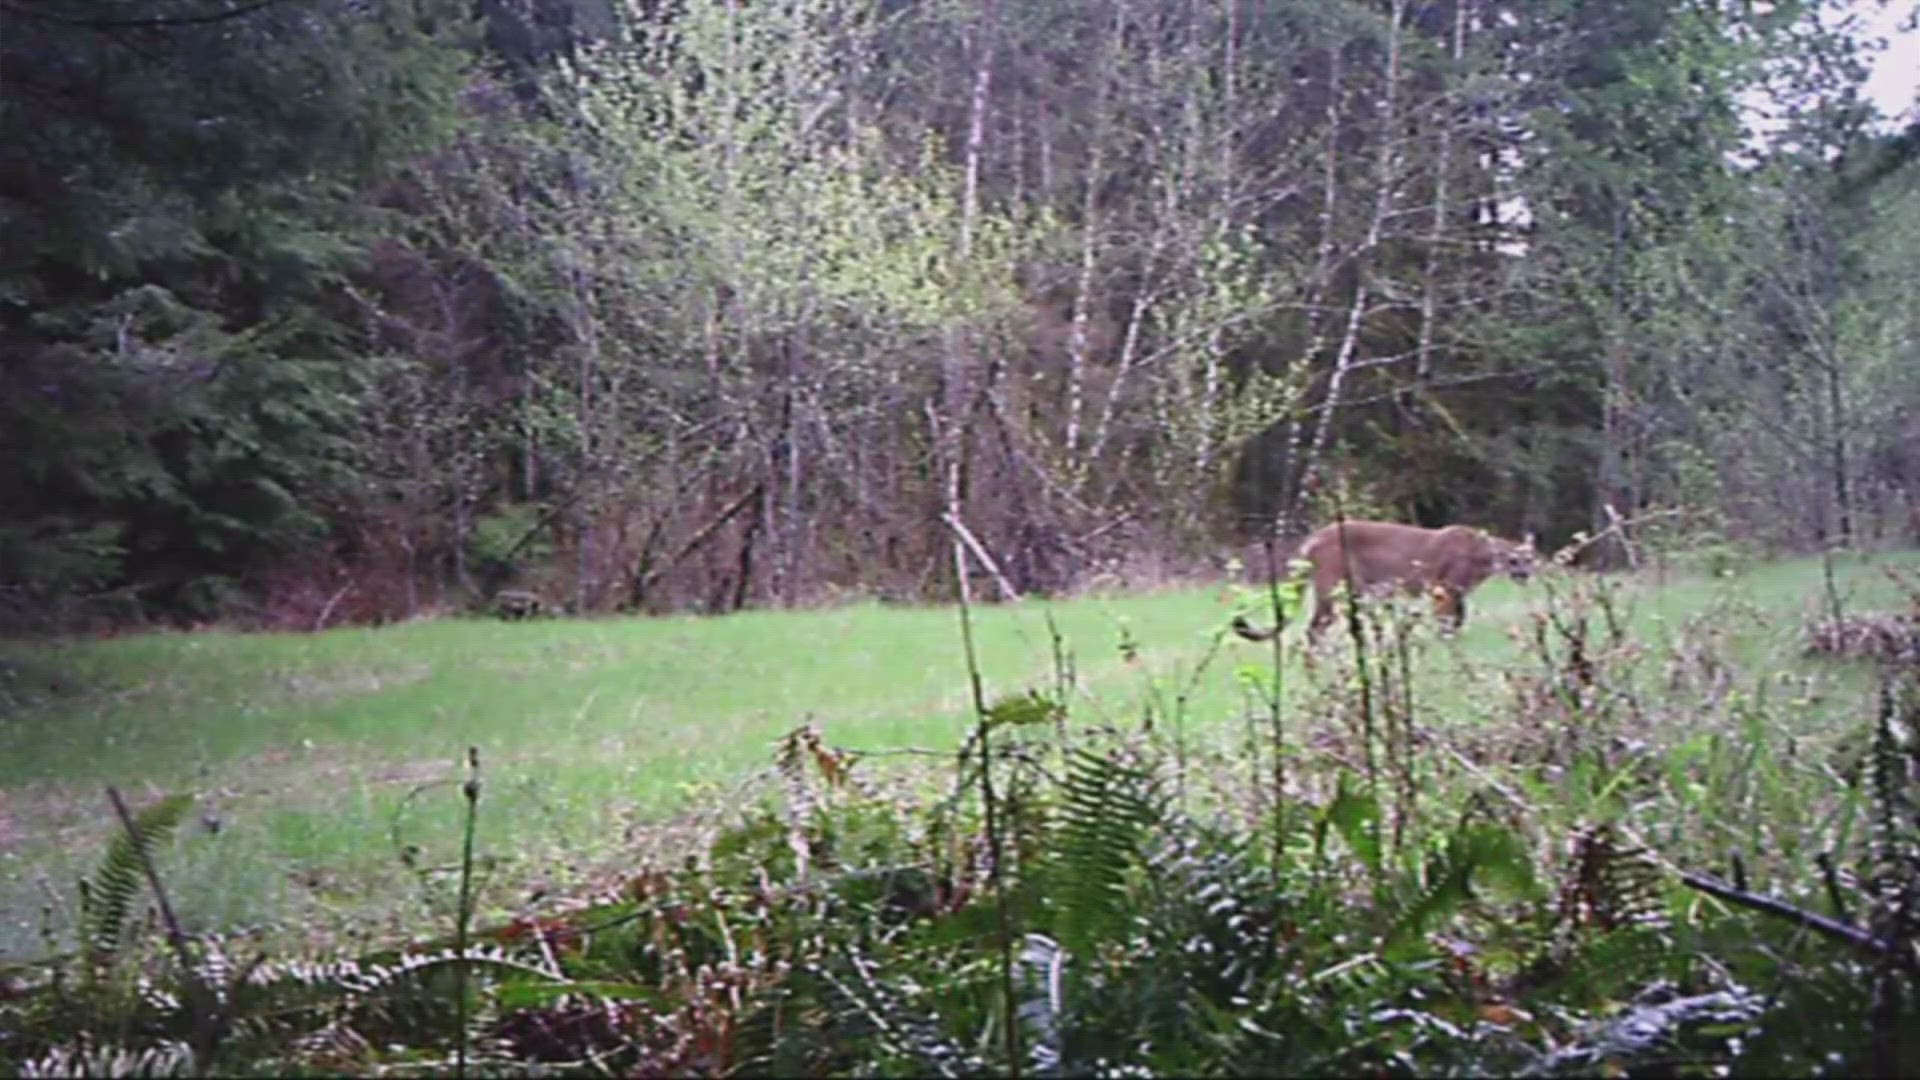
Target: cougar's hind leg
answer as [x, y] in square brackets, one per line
[1323, 612]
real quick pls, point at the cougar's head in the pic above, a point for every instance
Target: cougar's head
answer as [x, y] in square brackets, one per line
[1518, 561]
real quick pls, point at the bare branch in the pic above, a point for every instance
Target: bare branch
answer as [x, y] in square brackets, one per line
[1833, 928]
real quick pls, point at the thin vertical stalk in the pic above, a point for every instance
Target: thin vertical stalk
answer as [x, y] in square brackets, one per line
[1212, 372]
[1837, 415]
[1276, 705]
[977, 130]
[471, 792]
[1362, 671]
[587, 332]
[1181, 698]
[1835, 610]
[990, 812]
[1063, 679]
[1400, 727]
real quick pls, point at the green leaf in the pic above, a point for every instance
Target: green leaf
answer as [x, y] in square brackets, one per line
[1355, 816]
[1032, 707]
[1475, 852]
[534, 995]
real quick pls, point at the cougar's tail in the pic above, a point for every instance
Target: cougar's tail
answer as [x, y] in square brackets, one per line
[1252, 633]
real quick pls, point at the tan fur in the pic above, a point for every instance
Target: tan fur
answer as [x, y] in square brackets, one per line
[1383, 557]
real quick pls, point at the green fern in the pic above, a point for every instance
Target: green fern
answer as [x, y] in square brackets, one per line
[1105, 816]
[1593, 969]
[888, 1017]
[107, 897]
[1609, 885]
[1476, 852]
[1609, 923]
[1355, 815]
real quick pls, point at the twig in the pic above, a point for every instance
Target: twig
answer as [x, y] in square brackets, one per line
[326, 611]
[1833, 592]
[1361, 669]
[1619, 525]
[1108, 527]
[1178, 714]
[1567, 554]
[701, 535]
[1493, 783]
[1833, 928]
[1062, 680]
[979, 552]
[1831, 878]
[990, 816]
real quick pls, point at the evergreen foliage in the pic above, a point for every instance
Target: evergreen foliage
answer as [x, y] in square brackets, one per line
[313, 313]
[183, 204]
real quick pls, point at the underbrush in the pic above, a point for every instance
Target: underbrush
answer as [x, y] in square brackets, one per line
[1612, 857]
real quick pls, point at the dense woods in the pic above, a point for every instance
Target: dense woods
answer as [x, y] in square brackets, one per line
[316, 312]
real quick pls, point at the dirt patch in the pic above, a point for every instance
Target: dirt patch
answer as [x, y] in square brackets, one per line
[11, 835]
[334, 683]
[292, 777]
[42, 815]
[45, 815]
[412, 772]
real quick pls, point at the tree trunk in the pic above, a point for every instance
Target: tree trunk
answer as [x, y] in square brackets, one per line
[1083, 291]
[1842, 492]
[1296, 463]
[1384, 182]
[1436, 233]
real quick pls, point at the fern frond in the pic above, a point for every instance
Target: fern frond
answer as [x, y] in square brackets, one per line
[873, 1006]
[166, 1059]
[1355, 816]
[1105, 816]
[1609, 885]
[1602, 966]
[354, 977]
[107, 896]
[1474, 852]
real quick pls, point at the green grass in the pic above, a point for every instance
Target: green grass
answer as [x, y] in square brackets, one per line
[325, 755]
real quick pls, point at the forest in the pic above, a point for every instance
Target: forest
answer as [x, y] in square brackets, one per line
[318, 313]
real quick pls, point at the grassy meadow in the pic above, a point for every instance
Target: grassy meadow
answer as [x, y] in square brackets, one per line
[327, 765]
